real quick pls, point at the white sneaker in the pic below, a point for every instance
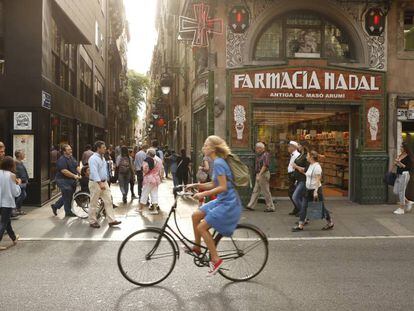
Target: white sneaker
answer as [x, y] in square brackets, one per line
[399, 211]
[409, 207]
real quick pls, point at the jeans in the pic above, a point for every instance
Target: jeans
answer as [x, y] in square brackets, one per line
[5, 224]
[175, 179]
[298, 195]
[309, 198]
[400, 186]
[124, 180]
[20, 199]
[167, 169]
[140, 179]
[67, 188]
[291, 191]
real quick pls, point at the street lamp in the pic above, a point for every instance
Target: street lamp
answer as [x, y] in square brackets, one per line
[165, 84]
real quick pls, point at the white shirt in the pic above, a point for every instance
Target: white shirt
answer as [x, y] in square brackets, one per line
[293, 156]
[311, 180]
[9, 191]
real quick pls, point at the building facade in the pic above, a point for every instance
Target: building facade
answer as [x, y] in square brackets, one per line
[54, 82]
[335, 73]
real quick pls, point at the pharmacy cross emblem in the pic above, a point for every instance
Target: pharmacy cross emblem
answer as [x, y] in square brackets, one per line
[201, 25]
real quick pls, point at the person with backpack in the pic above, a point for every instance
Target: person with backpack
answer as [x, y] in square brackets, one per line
[126, 171]
[152, 168]
[223, 213]
[262, 179]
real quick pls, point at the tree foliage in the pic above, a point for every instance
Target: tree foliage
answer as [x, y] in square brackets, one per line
[137, 86]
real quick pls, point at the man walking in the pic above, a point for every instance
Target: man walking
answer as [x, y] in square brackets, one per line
[262, 179]
[294, 154]
[138, 161]
[87, 154]
[99, 188]
[67, 173]
[21, 173]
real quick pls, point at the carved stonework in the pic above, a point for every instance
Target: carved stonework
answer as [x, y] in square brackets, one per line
[236, 43]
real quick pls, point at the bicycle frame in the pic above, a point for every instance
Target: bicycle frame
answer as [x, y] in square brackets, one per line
[172, 234]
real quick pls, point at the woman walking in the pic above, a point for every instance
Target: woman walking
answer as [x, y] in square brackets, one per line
[313, 192]
[125, 172]
[404, 163]
[223, 213]
[300, 166]
[151, 167]
[9, 191]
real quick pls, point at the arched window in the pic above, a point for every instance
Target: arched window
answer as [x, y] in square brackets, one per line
[303, 34]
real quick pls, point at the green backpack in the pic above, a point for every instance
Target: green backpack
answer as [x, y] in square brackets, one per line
[240, 171]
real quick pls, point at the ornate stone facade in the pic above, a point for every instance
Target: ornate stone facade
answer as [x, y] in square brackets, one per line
[236, 43]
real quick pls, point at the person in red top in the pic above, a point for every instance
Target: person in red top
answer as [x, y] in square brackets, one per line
[262, 179]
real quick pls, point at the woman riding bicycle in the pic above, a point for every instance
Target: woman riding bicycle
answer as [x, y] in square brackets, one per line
[223, 213]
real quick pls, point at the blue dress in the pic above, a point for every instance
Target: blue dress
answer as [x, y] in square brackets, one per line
[223, 213]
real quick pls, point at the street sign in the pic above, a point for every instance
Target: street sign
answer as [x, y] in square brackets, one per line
[46, 100]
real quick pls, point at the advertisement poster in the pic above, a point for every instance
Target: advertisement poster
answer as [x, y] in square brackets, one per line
[22, 121]
[25, 143]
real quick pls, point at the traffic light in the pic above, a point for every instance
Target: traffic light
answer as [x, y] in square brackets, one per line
[375, 22]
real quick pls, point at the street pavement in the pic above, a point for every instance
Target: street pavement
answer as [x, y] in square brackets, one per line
[365, 263]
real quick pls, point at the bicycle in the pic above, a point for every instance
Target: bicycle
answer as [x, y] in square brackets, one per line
[148, 256]
[80, 204]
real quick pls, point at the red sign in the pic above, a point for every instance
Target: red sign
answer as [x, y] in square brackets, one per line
[306, 83]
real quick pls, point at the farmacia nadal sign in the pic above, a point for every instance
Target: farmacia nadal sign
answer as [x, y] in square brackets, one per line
[306, 83]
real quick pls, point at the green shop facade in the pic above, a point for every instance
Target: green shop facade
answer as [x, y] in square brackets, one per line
[341, 111]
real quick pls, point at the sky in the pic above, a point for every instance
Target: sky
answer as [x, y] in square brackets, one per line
[141, 18]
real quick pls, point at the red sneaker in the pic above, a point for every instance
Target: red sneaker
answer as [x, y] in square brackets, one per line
[214, 267]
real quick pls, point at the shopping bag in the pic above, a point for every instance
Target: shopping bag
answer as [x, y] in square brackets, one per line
[315, 210]
[390, 178]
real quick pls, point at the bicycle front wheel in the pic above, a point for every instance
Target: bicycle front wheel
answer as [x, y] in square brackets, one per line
[245, 254]
[146, 257]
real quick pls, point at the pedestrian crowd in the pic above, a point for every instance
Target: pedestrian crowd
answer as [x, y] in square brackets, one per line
[147, 166]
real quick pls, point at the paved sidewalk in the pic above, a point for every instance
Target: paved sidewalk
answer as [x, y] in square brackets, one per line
[351, 220]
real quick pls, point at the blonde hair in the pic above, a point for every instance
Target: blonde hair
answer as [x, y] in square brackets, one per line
[219, 145]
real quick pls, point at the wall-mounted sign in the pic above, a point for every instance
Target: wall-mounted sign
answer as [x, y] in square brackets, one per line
[239, 19]
[46, 100]
[22, 121]
[306, 83]
[405, 109]
[25, 143]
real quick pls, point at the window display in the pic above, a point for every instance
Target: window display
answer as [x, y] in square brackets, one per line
[327, 133]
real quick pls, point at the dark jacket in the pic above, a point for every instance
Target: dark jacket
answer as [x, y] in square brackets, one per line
[21, 172]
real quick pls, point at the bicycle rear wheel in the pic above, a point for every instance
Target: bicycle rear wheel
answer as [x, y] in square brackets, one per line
[146, 257]
[245, 254]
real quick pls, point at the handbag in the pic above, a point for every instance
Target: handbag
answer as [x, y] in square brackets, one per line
[315, 210]
[389, 178]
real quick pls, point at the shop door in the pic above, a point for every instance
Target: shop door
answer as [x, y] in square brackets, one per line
[326, 129]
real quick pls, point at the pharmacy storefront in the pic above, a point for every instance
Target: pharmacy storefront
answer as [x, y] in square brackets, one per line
[340, 111]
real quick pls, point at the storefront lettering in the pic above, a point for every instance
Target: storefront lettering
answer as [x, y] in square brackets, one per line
[305, 80]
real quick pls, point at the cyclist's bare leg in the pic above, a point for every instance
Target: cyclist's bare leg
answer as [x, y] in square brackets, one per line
[208, 239]
[197, 217]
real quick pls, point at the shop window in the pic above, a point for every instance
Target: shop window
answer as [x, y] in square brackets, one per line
[269, 44]
[327, 132]
[85, 82]
[63, 61]
[303, 35]
[409, 30]
[2, 56]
